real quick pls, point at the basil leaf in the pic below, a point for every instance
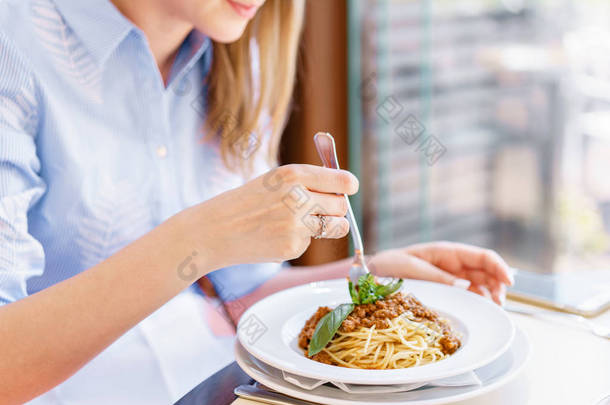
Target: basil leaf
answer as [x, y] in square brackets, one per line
[390, 288]
[366, 289]
[353, 293]
[327, 327]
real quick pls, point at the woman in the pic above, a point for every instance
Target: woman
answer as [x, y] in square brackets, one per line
[136, 140]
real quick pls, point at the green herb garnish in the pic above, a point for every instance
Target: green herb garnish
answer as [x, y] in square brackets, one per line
[367, 292]
[353, 292]
[327, 327]
[383, 290]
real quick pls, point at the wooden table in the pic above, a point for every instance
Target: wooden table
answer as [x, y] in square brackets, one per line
[568, 366]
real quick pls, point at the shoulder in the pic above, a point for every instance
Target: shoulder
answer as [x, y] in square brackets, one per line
[18, 88]
[12, 8]
[16, 39]
[16, 17]
[36, 32]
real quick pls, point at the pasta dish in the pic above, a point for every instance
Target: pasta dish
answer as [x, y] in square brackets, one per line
[380, 329]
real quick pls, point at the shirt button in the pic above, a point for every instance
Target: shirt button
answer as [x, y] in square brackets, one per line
[162, 151]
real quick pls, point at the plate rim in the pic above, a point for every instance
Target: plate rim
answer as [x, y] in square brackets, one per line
[474, 392]
[390, 376]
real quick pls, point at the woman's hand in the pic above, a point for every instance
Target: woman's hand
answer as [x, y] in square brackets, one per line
[448, 263]
[273, 217]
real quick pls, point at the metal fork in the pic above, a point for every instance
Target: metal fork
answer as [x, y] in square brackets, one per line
[257, 393]
[604, 401]
[325, 145]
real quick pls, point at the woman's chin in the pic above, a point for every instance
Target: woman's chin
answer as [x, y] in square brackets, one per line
[227, 34]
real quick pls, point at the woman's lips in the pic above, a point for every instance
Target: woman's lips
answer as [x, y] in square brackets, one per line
[244, 10]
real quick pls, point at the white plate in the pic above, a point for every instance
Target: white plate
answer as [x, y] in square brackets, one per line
[493, 375]
[269, 331]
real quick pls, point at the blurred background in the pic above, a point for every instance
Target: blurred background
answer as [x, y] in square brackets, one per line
[479, 121]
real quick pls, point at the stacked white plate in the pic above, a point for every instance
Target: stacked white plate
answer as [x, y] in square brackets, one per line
[492, 350]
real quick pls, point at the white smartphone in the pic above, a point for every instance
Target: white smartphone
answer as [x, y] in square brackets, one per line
[586, 294]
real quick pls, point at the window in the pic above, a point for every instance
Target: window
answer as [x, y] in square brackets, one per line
[485, 122]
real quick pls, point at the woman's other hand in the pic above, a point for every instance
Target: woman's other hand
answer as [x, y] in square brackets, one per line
[273, 217]
[448, 263]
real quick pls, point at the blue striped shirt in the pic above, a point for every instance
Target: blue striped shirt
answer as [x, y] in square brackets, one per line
[95, 151]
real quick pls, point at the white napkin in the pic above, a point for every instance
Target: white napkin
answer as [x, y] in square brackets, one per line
[465, 379]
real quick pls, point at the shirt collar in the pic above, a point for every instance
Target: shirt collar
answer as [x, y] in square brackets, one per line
[97, 23]
[193, 47]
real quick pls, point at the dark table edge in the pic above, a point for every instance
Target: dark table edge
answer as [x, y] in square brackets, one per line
[218, 388]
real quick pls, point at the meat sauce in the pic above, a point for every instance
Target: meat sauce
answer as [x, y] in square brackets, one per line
[367, 315]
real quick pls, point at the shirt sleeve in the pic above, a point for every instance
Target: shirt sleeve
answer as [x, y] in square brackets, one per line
[21, 255]
[234, 282]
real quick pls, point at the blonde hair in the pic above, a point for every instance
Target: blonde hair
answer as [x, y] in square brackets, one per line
[237, 101]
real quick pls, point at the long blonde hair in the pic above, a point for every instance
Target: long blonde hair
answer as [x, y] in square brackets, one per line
[237, 101]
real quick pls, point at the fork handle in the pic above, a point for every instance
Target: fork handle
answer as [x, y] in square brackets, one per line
[325, 145]
[558, 317]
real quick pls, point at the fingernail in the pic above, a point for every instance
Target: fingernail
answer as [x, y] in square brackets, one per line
[511, 275]
[485, 291]
[461, 283]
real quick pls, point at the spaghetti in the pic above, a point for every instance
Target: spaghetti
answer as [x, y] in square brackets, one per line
[392, 333]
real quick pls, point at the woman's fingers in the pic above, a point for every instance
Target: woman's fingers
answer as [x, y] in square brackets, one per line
[328, 204]
[498, 293]
[478, 281]
[481, 290]
[460, 258]
[485, 284]
[333, 228]
[482, 278]
[484, 259]
[273, 217]
[489, 288]
[320, 179]
[301, 202]
[427, 271]
[398, 264]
